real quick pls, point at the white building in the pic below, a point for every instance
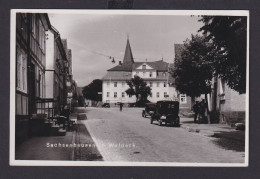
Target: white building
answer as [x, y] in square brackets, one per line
[154, 73]
[56, 71]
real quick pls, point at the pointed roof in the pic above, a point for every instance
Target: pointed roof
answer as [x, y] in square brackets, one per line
[128, 60]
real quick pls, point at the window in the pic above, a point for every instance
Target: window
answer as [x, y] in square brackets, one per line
[165, 94]
[151, 74]
[222, 87]
[123, 94]
[158, 84]
[41, 35]
[18, 75]
[144, 67]
[43, 86]
[108, 94]
[39, 83]
[157, 94]
[164, 84]
[183, 98]
[21, 76]
[108, 84]
[24, 75]
[115, 84]
[144, 73]
[151, 84]
[115, 94]
[164, 74]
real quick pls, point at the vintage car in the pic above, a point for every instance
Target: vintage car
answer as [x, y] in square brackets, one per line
[106, 105]
[167, 112]
[149, 109]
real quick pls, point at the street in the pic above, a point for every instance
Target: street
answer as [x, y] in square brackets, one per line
[127, 136]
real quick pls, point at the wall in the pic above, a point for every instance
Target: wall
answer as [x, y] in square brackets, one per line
[34, 52]
[50, 51]
[50, 62]
[186, 106]
[231, 105]
[119, 89]
[122, 88]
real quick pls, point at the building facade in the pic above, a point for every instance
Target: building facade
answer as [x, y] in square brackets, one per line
[57, 71]
[155, 74]
[30, 67]
[43, 70]
[230, 104]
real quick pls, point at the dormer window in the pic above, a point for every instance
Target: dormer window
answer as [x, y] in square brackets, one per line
[144, 67]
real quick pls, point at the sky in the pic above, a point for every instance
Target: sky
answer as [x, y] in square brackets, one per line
[93, 37]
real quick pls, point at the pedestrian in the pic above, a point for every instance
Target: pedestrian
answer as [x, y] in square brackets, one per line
[202, 110]
[121, 106]
[196, 110]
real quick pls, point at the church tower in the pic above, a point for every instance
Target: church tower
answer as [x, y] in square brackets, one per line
[128, 58]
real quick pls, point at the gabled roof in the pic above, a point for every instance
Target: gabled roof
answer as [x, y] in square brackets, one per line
[142, 63]
[156, 65]
[117, 76]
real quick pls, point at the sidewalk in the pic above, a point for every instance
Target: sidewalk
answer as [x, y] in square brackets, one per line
[204, 129]
[75, 145]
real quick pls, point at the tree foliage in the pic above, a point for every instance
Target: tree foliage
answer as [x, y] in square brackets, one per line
[229, 34]
[193, 71]
[138, 88]
[91, 91]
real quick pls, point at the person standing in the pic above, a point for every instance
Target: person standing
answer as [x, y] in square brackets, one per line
[121, 106]
[196, 111]
[202, 110]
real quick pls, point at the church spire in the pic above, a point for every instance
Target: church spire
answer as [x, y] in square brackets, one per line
[128, 58]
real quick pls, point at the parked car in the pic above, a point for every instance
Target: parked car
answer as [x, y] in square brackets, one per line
[167, 112]
[106, 105]
[149, 109]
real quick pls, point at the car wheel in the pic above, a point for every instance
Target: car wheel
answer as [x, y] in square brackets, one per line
[151, 121]
[160, 122]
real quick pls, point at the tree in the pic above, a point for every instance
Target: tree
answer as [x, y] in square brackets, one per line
[193, 71]
[138, 87]
[91, 91]
[229, 34]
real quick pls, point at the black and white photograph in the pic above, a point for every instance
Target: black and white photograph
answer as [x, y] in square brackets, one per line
[129, 88]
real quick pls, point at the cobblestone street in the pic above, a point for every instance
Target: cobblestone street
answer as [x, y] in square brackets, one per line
[111, 135]
[127, 136]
